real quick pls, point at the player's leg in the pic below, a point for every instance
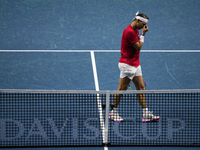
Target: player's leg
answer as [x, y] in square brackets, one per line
[123, 85]
[139, 85]
[147, 115]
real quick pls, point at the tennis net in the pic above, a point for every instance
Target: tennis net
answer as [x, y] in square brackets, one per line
[80, 118]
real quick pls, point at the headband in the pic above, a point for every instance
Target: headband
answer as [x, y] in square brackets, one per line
[140, 18]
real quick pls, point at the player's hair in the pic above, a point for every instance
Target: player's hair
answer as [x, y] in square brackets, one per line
[142, 15]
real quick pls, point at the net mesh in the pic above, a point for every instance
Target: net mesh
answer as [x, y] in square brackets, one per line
[45, 119]
[179, 124]
[66, 118]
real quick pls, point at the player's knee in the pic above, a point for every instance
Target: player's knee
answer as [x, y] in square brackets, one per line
[124, 87]
[140, 87]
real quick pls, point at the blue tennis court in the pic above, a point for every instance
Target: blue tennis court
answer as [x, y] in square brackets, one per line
[72, 29]
[73, 70]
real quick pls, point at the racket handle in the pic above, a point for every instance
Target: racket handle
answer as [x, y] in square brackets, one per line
[130, 88]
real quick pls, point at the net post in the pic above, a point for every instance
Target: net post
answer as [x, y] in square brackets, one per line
[106, 119]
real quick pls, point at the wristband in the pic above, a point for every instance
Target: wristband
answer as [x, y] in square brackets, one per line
[142, 38]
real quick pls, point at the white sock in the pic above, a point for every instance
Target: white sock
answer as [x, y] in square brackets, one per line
[145, 110]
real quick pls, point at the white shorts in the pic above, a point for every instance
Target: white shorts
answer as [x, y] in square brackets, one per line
[129, 71]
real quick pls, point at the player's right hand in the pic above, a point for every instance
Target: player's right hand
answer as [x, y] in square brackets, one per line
[145, 29]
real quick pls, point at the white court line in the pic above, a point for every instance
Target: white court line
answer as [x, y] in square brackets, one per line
[65, 51]
[94, 70]
[98, 96]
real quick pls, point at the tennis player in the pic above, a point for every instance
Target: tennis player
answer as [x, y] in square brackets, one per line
[129, 65]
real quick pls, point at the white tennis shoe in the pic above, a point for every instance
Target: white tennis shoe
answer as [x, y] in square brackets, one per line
[113, 115]
[147, 117]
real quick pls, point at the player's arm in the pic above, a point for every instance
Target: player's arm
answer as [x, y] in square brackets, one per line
[138, 45]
